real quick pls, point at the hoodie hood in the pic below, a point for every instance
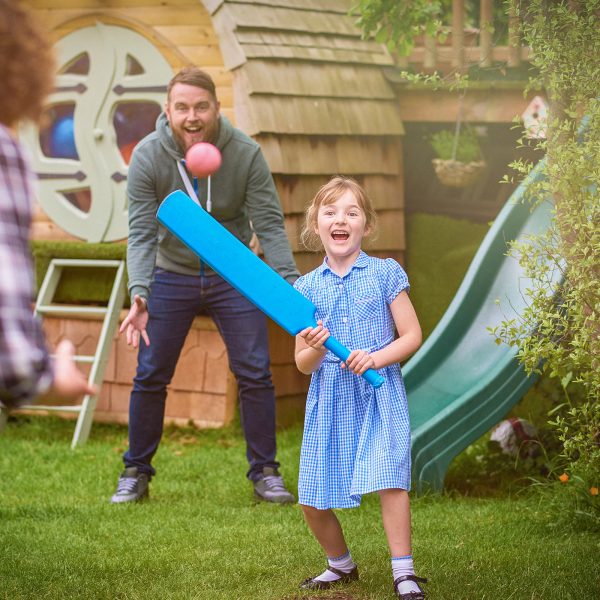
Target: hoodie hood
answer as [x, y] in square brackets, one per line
[163, 129]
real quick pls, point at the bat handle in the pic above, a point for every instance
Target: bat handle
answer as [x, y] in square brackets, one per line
[372, 376]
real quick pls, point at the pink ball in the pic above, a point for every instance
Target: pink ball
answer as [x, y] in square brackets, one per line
[203, 159]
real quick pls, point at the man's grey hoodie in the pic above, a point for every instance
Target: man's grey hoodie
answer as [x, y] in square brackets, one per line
[242, 192]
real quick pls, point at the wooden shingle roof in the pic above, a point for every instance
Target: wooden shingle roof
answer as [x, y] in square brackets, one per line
[301, 68]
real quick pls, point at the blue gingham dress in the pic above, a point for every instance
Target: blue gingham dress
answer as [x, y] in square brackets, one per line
[356, 438]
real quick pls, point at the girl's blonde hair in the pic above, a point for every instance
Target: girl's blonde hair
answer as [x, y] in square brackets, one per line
[334, 189]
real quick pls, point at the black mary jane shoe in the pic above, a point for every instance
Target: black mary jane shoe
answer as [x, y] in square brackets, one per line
[312, 583]
[420, 595]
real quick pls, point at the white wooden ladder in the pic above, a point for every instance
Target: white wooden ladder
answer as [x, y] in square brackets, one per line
[110, 314]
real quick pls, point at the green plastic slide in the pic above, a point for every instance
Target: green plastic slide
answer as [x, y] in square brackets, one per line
[461, 383]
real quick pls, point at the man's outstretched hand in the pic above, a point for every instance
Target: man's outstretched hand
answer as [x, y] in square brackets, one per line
[135, 322]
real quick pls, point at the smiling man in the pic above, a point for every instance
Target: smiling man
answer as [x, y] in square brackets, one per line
[193, 114]
[169, 285]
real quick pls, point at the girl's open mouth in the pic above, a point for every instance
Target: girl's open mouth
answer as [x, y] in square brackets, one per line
[340, 235]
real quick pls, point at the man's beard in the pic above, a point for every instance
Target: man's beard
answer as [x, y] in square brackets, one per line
[209, 135]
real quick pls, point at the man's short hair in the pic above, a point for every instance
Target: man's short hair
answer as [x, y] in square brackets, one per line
[196, 77]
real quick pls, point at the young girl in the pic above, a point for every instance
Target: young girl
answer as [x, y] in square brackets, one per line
[356, 438]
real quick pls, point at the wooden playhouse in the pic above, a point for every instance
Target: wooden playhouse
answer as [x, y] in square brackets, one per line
[294, 74]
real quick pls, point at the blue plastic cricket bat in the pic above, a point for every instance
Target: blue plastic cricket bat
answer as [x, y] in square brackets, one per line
[245, 271]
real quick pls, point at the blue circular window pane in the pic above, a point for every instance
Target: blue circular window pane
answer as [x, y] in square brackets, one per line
[57, 135]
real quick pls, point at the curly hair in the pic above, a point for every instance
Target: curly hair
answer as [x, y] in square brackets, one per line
[27, 64]
[328, 194]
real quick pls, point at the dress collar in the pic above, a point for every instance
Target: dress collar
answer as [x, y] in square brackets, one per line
[361, 261]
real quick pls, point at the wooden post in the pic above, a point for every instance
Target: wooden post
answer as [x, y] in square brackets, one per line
[458, 41]
[430, 55]
[514, 39]
[485, 32]
[430, 52]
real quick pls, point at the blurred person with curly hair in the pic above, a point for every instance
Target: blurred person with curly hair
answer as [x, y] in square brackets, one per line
[26, 71]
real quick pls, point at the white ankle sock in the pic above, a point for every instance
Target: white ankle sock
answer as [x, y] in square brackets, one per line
[342, 563]
[403, 565]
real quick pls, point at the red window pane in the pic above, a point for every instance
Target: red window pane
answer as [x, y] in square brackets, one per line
[133, 121]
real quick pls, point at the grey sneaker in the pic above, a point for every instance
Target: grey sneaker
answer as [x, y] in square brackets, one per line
[270, 487]
[132, 486]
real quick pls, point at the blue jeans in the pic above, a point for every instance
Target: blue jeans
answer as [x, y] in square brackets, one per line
[174, 302]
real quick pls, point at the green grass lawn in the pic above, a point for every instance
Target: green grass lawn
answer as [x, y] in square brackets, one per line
[203, 536]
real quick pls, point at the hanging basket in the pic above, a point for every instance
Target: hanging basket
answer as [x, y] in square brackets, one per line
[457, 174]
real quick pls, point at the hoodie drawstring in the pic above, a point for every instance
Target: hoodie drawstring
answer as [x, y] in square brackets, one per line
[194, 192]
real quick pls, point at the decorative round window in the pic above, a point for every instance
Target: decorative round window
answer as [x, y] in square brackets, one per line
[110, 89]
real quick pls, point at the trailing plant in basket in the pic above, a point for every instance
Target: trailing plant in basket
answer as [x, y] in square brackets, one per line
[467, 145]
[459, 162]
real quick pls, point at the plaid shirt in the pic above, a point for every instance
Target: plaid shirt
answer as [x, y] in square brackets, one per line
[25, 366]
